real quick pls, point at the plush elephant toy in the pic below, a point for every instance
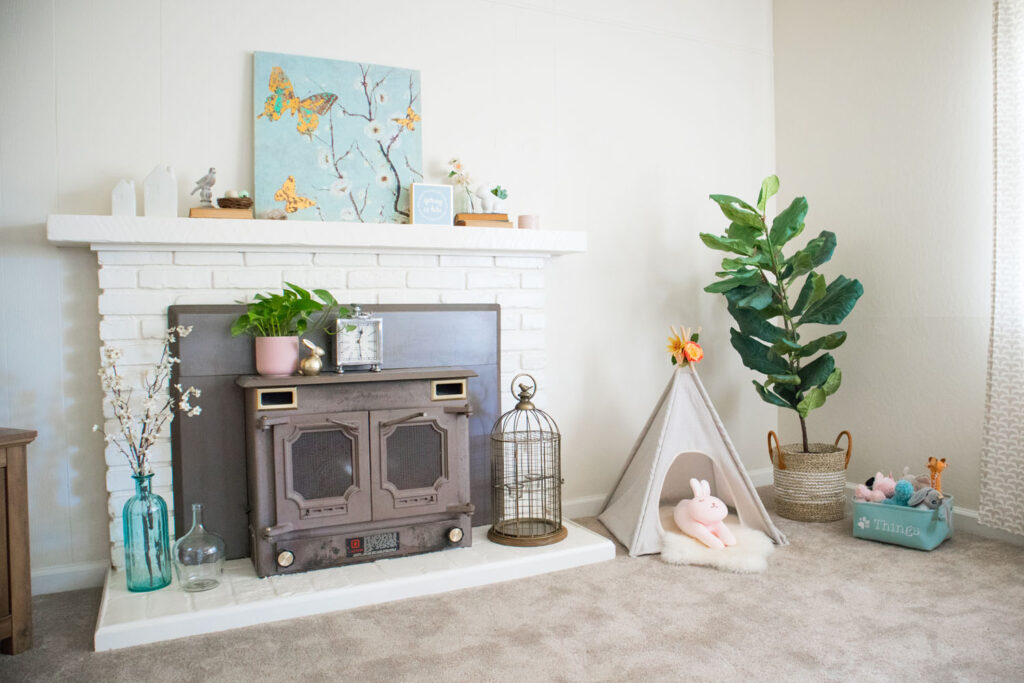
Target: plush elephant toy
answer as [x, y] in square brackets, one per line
[925, 499]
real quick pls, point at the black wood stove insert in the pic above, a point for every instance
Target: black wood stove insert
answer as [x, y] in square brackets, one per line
[356, 467]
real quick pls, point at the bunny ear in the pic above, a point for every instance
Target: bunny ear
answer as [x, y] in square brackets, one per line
[707, 487]
[698, 490]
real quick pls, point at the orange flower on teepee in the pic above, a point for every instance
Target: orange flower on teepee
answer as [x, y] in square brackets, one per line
[693, 352]
[684, 347]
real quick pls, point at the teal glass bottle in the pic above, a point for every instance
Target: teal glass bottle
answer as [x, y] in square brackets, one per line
[147, 547]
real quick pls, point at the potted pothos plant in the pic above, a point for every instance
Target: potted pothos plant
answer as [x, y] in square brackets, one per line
[277, 321]
[777, 302]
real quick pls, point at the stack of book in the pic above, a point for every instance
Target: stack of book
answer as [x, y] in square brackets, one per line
[483, 220]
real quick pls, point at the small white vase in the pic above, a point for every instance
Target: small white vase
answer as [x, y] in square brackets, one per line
[277, 356]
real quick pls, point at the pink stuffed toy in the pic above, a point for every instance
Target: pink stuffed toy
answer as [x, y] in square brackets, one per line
[883, 487]
[701, 517]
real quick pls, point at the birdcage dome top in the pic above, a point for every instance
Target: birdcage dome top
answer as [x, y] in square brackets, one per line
[525, 420]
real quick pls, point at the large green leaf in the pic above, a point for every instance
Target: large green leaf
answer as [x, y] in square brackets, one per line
[816, 372]
[738, 211]
[770, 397]
[744, 233]
[831, 385]
[756, 297]
[757, 356]
[840, 297]
[815, 398]
[789, 223]
[758, 259]
[746, 277]
[827, 343]
[769, 187]
[813, 290]
[785, 346]
[754, 325]
[726, 244]
[783, 379]
[818, 251]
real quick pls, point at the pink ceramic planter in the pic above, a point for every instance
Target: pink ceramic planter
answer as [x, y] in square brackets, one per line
[277, 356]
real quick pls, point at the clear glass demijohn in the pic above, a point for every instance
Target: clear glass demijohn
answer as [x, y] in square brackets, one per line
[198, 555]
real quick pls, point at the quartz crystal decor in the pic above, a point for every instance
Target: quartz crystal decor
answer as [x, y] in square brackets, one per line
[199, 556]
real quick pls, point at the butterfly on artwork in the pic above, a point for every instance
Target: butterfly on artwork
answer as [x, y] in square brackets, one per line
[283, 100]
[411, 118]
[292, 201]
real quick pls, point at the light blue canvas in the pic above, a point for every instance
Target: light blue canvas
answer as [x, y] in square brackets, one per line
[335, 141]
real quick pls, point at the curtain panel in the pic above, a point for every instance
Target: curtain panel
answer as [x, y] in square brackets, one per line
[1002, 461]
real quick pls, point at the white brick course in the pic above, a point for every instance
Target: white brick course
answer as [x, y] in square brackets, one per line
[521, 340]
[247, 278]
[208, 258]
[375, 279]
[133, 302]
[519, 299]
[533, 321]
[175, 278]
[436, 279]
[533, 279]
[119, 327]
[491, 279]
[154, 327]
[518, 262]
[409, 296]
[416, 260]
[132, 258]
[344, 259]
[285, 258]
[467, 261]
[463, 297]
[118, 277]
[318, 278]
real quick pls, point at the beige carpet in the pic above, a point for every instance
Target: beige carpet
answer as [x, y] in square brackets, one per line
[830, 607]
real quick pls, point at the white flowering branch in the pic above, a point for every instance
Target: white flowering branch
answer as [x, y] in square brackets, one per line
[138, 433]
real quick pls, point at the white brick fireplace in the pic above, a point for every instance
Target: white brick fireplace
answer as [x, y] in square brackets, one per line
[148, 264]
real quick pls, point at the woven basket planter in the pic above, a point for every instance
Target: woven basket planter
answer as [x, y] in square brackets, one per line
[810, 486]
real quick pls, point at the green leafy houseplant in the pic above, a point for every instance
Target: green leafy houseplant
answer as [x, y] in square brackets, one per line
[758, 282]
[286, 314]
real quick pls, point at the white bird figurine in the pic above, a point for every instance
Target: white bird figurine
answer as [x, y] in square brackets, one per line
[203, 185]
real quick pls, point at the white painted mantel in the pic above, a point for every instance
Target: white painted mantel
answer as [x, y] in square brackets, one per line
[129, 232]
[146, 264]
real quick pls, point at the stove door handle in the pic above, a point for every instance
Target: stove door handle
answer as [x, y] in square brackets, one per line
[349, 425]
[399, 420]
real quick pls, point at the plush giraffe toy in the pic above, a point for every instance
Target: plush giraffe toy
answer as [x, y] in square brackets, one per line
[935, 467]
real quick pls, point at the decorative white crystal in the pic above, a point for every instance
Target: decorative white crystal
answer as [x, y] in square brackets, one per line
[122, 199]
[161, 192]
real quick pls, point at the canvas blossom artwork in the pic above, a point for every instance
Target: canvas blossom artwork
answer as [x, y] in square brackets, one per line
[335, 140]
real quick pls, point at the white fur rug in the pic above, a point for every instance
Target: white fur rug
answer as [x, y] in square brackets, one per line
[748, 556]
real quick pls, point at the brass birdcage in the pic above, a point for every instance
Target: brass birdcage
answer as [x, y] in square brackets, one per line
[526, 474]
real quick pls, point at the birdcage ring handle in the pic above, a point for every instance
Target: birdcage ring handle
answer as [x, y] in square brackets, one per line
[526, 391]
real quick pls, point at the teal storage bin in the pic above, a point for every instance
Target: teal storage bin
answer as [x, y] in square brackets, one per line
[899, 525]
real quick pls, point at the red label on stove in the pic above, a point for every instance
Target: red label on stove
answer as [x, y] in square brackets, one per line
[373, 544]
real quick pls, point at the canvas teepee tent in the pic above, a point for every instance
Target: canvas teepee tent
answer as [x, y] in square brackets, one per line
[684, 438]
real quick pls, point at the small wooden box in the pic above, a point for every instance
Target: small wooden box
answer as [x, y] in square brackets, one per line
[211, 212]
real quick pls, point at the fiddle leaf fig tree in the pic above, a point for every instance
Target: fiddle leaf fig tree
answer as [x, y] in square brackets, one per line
[759, 282]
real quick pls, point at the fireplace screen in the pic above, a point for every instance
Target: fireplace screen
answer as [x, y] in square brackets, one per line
[322, 464]
[415, 456]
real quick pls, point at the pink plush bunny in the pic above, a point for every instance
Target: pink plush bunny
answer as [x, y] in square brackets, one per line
[883, 487]
[701, 517]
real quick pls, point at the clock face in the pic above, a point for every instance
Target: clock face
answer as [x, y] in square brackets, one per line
[359, 345]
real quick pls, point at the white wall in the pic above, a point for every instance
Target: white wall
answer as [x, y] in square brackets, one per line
[884, 121]
[614, 118]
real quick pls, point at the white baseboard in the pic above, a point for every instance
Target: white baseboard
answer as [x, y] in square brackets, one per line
[69, 577]
[584, 506]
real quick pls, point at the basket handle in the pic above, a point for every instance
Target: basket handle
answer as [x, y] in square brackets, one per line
[778, 450]
[849, 446]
